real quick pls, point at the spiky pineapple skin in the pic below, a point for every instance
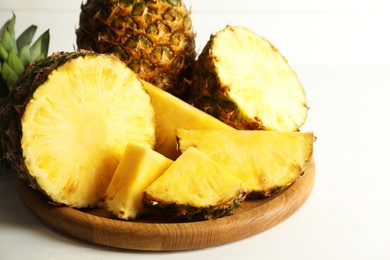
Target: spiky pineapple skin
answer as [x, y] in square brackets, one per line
[191, 213]
[154, 38]
[13, 110]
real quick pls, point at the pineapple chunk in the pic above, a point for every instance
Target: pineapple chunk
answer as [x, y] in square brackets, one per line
[172, 113]
[78, 123]
[267, 161]
[195, 188]
[139, 167]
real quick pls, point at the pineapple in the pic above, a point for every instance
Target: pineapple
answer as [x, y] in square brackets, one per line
[154, 38]
[195, 188]
[244, 81]
[172, 113]
[139, 167]
[268, 161]
[17, 54]
[68, 120]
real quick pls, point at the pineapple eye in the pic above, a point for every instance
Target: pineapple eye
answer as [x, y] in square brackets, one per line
[210, 106]
[228, 106]
[187, 24]
[139, 41]
[172, 15]
[161, 54]
[142, 66]
[178, 39]
[178, 63]
[120, 52]
[163, 79]
[138, 9]
[158, 28]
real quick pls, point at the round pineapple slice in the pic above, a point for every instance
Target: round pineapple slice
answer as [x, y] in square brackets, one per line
[243, 80]
[77, 124]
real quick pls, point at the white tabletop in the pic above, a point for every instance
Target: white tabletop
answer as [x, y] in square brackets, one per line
[340, 50]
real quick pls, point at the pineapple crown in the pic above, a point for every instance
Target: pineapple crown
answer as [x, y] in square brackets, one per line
[17, 54]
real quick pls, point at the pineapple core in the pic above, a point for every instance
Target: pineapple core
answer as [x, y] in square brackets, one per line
[77, 125]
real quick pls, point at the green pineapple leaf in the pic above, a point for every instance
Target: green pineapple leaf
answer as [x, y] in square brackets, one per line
[10, 26]
[7, 41]
[3, 53]
[26, 37]
[9, 76]
[24, 56]
[14, 63]
[40, 46]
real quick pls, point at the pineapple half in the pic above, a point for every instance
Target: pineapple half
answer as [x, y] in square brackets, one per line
[66, 124]
[139, 167]
[267, 161]
[244, 81]
[172, 113]
[195, 188]
[154, 38]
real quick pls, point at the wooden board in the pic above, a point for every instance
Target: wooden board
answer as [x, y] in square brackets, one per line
[158, 234]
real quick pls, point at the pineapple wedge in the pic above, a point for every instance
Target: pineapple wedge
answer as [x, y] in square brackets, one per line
[139, 167]
[267, 161]
[195, 188]
[172, 113]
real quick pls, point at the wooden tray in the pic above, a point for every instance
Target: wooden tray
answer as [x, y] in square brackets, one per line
[157, 234]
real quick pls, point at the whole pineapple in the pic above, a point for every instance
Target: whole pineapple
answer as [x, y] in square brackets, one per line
[67, 122]
[154, 38]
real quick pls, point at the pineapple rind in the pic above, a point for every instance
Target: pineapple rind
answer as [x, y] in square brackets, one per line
[192, 213]
[247, 83]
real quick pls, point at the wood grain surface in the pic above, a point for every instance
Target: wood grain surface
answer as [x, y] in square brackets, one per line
[159, 234]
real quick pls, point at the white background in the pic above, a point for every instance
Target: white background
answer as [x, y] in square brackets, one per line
[340, 50]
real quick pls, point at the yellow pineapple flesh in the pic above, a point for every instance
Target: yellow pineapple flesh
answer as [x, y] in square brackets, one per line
[139, 167]
[195, 188]
[172, 113]
[267, 161]
[77, 124]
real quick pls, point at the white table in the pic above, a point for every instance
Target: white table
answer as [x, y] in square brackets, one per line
[341, 52]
